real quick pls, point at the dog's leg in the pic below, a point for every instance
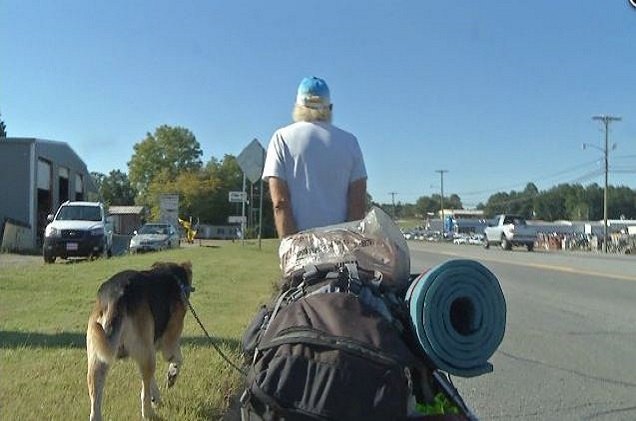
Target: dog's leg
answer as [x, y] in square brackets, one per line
[95, 378]
[170, 346]
[147, 369]
[141, 348]
[175, 365]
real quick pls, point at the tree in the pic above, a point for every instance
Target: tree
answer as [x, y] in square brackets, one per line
[496, 204]
[621, 203]
[550, 205]
[3, 128]
[166, 153]
[425, 205]
[116, 189]
[196, 192]
[98, 179]
[229, 178]
[453, 202]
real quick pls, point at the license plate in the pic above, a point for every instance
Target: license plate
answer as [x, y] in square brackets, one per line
[71, 246]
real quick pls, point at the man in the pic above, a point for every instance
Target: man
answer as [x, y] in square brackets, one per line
[315, 170]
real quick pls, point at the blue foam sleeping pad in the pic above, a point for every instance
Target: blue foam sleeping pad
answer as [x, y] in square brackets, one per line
[458, 312]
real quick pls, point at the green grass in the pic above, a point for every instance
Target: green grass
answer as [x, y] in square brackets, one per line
[43, 315]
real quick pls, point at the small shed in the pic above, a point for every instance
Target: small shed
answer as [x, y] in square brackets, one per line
[127, 219]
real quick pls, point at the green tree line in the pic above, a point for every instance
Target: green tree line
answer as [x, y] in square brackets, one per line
[573, 202]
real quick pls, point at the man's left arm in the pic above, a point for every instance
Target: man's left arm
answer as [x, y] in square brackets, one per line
[357, 200]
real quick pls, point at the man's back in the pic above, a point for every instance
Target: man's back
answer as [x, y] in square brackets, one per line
[318, 161]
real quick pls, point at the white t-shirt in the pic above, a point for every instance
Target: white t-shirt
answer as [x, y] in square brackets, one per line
[318, 161]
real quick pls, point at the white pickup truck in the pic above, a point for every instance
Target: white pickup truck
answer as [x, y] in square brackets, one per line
[78, 229]
[509, 230]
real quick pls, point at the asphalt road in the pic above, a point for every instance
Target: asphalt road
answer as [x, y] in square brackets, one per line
[569, 352]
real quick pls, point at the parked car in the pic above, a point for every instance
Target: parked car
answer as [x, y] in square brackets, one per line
[78, 229]
[154, 236]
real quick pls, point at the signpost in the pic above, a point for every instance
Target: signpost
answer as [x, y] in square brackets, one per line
[236, 219]
[237, 196]
[251, 160]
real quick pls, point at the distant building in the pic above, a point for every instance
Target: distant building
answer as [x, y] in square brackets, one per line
[217, 232]
[462, 213]
[459, 221]
[127, 219]
[36, 176]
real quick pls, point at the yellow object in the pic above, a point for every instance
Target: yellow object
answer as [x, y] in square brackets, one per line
[190, 232]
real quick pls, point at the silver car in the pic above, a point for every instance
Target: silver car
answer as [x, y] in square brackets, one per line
[154, 236]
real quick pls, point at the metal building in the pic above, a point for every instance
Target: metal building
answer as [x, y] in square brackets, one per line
[36, 176]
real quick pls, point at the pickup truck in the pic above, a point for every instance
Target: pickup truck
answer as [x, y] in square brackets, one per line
[509, 230]
[78, 229]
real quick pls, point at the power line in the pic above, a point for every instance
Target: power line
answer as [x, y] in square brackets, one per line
[523, 184]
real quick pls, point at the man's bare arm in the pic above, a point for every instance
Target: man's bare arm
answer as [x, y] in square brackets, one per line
[357, 200]
[283, 215]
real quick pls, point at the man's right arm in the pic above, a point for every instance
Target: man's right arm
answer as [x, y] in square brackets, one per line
[357, 200]
[281, 201]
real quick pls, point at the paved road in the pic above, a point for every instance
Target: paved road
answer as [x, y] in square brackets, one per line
[570, 345]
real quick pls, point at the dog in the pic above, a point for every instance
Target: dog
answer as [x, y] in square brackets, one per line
[138, 313]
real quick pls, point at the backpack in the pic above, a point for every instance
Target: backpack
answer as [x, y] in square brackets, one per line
[331, 348]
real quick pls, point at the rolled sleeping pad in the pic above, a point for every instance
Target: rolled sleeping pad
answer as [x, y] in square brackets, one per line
[458, 312]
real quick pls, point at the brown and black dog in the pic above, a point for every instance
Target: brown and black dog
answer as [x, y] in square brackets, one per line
[136, 314]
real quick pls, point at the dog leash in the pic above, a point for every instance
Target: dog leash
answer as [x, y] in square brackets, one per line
[184, 290]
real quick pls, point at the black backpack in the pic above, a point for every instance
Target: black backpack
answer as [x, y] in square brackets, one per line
[331, 348]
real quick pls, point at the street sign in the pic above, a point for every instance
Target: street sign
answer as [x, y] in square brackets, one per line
[237, 196]
[236, 219]
[251, 161]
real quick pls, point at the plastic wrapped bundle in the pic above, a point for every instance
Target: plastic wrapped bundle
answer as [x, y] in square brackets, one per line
[458, 312]
[375, 243]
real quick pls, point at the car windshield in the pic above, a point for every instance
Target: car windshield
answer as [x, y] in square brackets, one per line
[154, 229]
[79, 213]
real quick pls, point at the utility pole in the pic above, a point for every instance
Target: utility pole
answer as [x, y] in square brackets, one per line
[606, 119]
[393, 201]
[441, 198]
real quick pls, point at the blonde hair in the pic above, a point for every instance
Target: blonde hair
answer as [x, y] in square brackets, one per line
[302, 113]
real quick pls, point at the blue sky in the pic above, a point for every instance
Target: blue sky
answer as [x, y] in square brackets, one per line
[499, 93]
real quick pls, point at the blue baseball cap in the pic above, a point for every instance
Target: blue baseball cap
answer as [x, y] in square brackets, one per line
[313, 92]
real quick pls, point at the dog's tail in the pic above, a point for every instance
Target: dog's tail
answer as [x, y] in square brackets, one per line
[104, 331]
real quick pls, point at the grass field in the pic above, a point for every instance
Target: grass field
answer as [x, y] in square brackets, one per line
[43, 315]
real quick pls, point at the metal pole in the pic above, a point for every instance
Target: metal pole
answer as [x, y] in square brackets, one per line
[260, 214]
[606, 119]
[393, 202]
[605, 192]
[243, 215]
[441, 199]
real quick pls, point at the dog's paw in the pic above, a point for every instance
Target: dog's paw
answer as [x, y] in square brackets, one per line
[173, 372]
[148, 414]
[155, 399]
